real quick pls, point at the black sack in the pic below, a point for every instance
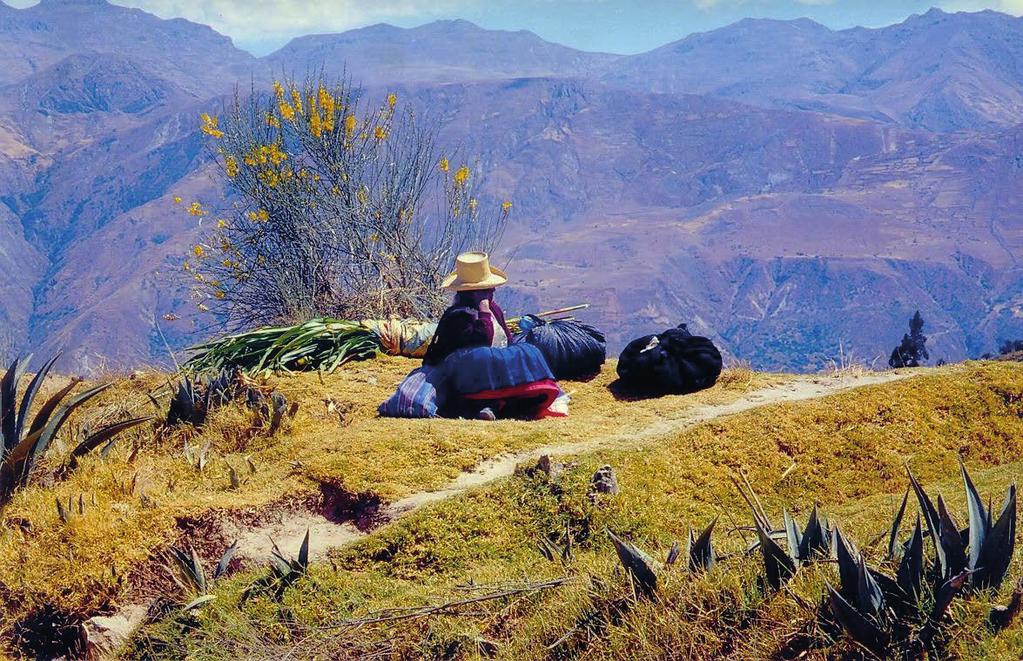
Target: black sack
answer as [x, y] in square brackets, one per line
[676, 362]
[572, 349]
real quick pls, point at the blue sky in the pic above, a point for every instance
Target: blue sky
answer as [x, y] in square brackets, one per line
[619, 26]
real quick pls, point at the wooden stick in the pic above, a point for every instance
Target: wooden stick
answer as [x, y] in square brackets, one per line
[396, 614]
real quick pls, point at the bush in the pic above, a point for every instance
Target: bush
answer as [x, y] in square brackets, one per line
[339, 209]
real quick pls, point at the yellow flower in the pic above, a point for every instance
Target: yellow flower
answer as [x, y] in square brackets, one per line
[209, 126]
[221, 223]
[231, 166]
[444, 165]
[198, 251]
[380, 133]
[187, 266]
[296, 100]
[362, 196]
[462, 175]
[392, 100]
[329, 108]
[506, 206]
[261, 215]
[287, 112]
[272, 121]
[374, 237]
[196, 210]
[177, 199]
[219, 294]
[278, 90]
[315, 126]
[350, 125]
[324, 97]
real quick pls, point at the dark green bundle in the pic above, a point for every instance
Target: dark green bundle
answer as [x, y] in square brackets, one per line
[318, 344]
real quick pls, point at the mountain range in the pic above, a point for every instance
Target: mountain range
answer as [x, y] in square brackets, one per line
[792, 191]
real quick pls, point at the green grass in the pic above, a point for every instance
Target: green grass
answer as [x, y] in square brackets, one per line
[849, 452]
[146, 500]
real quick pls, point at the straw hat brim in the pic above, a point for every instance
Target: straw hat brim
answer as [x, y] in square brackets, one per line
[496, 278]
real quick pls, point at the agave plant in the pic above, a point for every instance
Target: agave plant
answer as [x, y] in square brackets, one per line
[284, 571]
[802, 548]
[195, 398]
[985, 548]
[638, 565]
[699, 550]
[24, 444]
[882, 613]
[188, 573]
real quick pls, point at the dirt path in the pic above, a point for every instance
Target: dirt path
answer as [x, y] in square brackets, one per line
[288, 532]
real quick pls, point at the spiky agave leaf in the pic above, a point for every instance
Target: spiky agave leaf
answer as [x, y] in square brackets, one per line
[278, 406]
[910, 575]
[930, 514]
[107, 433]
[979, 519]
[860, 628]
[951, 541]
[637, 564]
[46, 411]
[673, 553]
[30, 394]
[777, 563]
[942, 600]
[303, 553]
[814, 542]
[848, 568]
[701, 554]
[9, 401]
[999, 545]
[893, 536]
[225, 561]
[792, 536]
[869, 598]
[190, 567]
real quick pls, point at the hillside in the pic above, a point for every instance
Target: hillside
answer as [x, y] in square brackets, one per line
[791, 220]
[398, 490]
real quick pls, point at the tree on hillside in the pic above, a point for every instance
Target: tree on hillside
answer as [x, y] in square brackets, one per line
[913, 349]
[1010, 346]
[337, 208]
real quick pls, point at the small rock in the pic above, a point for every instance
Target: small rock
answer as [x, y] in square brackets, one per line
[605, 481]
[105, 635]
[547, 466]
[551, 468]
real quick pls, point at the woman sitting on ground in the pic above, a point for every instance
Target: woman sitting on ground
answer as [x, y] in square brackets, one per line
[484, 375]
[471, 368]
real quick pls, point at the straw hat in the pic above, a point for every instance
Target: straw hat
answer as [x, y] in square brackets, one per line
[473, 271]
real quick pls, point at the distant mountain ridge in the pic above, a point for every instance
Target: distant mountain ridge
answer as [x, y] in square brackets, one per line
[783, 187]
[938, 71]
[443, 51]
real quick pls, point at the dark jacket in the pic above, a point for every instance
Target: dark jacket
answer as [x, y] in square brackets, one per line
[464, 326]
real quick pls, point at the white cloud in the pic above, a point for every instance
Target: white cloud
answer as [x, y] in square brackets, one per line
[255, 19]
[1014, 7]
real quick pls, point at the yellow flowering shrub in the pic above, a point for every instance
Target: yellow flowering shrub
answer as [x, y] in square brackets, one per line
[333, 210]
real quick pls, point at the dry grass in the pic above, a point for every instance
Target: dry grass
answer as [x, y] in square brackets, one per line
[147, 500]
[849, 451]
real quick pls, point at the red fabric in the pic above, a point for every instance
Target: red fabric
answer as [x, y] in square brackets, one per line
[545, 392]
